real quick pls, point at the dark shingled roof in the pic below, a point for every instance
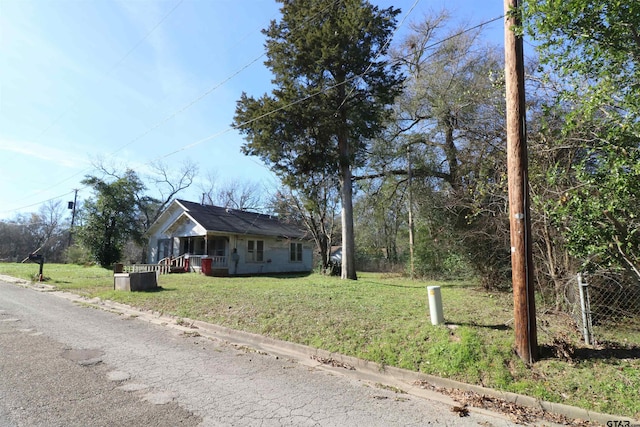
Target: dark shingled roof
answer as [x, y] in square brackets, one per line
[216, 218]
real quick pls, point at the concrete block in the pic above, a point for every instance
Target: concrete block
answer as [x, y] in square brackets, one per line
[141, 281]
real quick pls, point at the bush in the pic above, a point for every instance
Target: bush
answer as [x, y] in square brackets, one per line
[78, 255]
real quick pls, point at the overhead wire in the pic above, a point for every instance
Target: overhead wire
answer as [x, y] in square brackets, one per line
[169, 117]
[113, 67]
[73, 104]
[39, 203]
[317, 93]
[231, 128]
[253, 61]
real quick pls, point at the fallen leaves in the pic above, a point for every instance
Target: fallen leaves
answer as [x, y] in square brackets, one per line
[333, 362]
[518, 413]
[461, 410]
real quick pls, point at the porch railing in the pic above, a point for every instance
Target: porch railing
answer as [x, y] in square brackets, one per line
[137, 268]
[195, 262]
[169, 264]
[218, 261]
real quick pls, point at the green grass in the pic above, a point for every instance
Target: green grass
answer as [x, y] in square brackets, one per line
[385, 319]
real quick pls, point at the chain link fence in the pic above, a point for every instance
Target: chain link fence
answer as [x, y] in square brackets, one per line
[606, 308]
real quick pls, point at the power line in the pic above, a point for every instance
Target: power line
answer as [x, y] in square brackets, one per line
[105, 75]
[210, 90]
[37, 203]
[113, 68]
[319, 92]
[466, 30]
[169, 117]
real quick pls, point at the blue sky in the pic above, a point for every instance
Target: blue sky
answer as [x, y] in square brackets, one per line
[137, 81]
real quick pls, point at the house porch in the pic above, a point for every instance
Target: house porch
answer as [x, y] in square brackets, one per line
[187, 252]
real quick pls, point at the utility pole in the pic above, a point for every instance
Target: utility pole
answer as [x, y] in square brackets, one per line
[517, 173]
[411, 226]
[72, 205]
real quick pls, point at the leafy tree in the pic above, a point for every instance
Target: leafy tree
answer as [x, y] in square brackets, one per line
[601, 215]
[448, 130]
[112, 217]
[331, 96]
[594, 47]
[551, 158]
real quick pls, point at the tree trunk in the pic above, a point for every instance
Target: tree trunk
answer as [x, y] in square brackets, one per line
[346, 189]
[348, 240]
[451, 151]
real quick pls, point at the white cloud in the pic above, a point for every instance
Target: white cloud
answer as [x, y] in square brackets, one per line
[60, 157]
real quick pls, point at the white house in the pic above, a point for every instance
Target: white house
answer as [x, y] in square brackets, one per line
[221, 241]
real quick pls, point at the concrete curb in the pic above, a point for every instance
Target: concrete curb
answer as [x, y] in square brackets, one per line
[402, 379]
[362, 369]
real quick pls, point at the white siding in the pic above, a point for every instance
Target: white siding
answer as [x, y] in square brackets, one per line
[276, 257]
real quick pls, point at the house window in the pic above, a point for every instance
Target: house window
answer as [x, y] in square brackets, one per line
[255, 250]
[295, 252]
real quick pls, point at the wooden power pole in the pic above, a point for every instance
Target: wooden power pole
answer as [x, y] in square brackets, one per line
[412, 269]
[72, 205]
[517, 165]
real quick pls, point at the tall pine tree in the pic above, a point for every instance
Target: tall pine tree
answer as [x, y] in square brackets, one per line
[333, 89]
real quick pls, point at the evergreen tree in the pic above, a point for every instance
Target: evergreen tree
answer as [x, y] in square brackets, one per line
[332, 91]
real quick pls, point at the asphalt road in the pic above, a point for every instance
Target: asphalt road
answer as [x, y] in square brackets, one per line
[64, 363]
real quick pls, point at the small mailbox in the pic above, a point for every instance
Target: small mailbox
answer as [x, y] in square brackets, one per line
[35, 257]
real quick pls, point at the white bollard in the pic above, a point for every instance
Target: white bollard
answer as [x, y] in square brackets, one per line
[435, 305]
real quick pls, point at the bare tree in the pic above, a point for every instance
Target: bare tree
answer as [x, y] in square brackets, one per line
[207, 185]
[51, 229]
[168, 183]
[242, 195]
[43, 232]
[317, 208]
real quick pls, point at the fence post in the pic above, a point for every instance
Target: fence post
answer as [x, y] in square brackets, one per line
[585, 308]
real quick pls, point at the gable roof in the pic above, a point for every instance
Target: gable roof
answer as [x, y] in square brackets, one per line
[219, 219]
